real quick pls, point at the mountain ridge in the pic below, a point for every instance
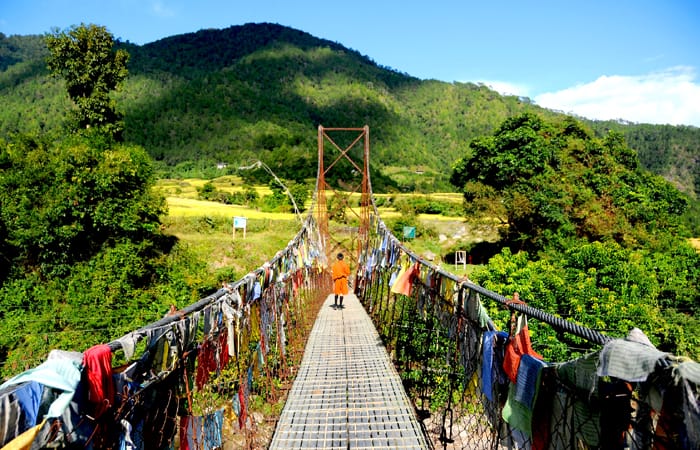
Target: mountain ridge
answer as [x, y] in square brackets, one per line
[259, 91]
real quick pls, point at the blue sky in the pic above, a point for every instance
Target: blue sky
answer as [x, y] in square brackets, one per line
[633, 60]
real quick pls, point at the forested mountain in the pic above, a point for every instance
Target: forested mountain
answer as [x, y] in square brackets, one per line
[259, 91]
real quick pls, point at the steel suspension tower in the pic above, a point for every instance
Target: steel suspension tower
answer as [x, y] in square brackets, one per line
[337, 154]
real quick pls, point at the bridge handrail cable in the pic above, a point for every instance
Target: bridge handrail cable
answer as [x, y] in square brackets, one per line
[307, 227]
[558, 323]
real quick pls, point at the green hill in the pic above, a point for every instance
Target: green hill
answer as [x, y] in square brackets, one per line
[259, 91]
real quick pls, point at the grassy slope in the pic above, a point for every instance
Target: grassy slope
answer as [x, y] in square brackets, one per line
[205, 227]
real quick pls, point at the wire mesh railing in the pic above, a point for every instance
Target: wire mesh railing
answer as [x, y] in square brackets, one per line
[181, 374]
[476, 387]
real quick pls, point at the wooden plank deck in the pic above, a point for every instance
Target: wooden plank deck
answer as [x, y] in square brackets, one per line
[347, 393]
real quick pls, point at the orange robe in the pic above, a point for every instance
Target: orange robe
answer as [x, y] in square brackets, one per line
[341, 271]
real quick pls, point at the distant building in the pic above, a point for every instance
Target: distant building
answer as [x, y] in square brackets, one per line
[221, 165]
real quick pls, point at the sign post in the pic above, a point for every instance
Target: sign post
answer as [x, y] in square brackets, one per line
[461, 258]
[239, 222]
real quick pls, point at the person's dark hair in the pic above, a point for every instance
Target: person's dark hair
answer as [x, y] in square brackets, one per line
[340, 256]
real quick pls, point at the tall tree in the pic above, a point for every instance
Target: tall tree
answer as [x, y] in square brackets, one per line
[85, 57]
[555, 180]
[80, 236]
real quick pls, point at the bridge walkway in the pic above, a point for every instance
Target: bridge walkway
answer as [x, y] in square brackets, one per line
[347, 393]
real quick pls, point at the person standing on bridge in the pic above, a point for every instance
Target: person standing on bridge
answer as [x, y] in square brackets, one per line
[340, 272]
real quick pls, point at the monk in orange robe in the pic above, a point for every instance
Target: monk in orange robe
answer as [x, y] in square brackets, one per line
[340, 271]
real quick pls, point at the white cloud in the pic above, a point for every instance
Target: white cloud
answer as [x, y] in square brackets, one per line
[671, 97]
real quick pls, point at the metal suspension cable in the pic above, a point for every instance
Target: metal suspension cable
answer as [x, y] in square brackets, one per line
[259, 164]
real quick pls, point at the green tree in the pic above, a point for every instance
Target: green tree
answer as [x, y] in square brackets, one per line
[300, 193]
[515, 170]
[207, 191]
[81, 245]
[337, 206]
[518, 150]
[250, 195]
[605, 245]
[62, 202]
[84, 56]
[554, 180]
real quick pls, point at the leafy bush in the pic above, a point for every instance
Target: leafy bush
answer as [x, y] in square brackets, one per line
[602, 286]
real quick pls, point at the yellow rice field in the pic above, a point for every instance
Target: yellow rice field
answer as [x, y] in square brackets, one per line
[190, 207]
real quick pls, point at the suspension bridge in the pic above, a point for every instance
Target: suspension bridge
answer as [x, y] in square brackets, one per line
[412, 360]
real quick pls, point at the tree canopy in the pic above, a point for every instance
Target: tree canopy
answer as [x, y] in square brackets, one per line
[62, 202]
[80, 234]
[554, 180]
[587, 233]
[84, 56]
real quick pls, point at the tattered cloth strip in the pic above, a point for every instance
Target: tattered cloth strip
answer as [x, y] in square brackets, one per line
[522, 395]
[581, 418]
[242, 407]
[518, 345]
[630, 359]
[404, 281]
[528, 380]
[475, 309]
[202, 432]
[686, 378]
[580, 374]
[19, 407]
[212, 357]
[691, 415]
[491, 370]
[60, 371]
[98, 365]
[25, 440]
[230, 314]
[393, 277]
[687, 370]
[128, 343]
[517, 415]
